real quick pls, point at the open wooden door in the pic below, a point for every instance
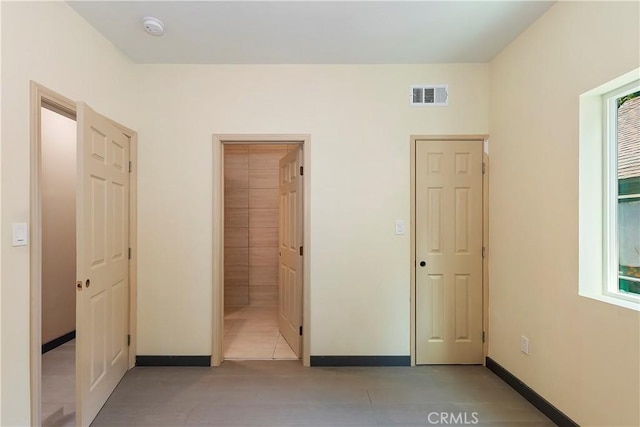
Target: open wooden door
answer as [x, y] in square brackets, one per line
[448, 252]
[102, 235]
[290, 246]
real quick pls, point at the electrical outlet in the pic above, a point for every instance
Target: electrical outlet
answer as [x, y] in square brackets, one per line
[524, 344]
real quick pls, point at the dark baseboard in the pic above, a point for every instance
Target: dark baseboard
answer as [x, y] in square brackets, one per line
[534, 398]
[360, 361]
[173, 360]
[58, 342]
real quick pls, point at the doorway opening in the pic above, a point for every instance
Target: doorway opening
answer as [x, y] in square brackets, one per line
[251, 252]
[82, 250]
[260, 271]
[58, 208]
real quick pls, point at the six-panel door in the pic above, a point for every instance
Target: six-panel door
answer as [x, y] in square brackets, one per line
[290, 243]
[448, 252]
[102, 263]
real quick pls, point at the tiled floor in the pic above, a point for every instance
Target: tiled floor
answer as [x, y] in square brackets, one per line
[58, 386]
[251, 332]
[283, 393]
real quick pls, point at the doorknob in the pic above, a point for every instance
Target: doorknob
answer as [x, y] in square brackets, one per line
[88, 283]
[423, 263]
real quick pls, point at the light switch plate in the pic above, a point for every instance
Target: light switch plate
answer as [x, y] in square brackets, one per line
[400, 227]
[524, 344]
[20, 235]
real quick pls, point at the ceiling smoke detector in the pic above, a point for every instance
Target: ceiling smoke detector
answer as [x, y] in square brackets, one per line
[153, 26]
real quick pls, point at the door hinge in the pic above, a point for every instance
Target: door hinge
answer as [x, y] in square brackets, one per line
[301, 251]
[484, 167]
[300, 330]
[301, 171]
[483, 336]
[129, 253]
[130, 166]
[128, 340]
[484, 252]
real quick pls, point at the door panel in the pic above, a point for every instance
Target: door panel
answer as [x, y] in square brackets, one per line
[290, 242]
[449, 241]
[102, 236]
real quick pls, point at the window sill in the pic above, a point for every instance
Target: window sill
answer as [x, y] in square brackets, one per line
[614, 300]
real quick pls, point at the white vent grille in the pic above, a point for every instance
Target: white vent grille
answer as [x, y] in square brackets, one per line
[429, 95]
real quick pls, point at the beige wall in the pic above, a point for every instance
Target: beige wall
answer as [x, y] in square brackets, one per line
[58, 154]
[49, 43]
[584, 353]
[360, 122]
[251, 221]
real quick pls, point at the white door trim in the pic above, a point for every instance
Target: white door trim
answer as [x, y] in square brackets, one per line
[39, 95]
[217, 321]
[485, 235]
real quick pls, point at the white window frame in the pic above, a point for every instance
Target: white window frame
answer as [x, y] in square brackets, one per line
[598, 193]
[610, 215]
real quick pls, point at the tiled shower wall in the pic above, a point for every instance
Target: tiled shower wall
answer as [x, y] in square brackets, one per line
[251, 223]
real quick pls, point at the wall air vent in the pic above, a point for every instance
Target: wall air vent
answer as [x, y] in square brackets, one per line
[429, 95]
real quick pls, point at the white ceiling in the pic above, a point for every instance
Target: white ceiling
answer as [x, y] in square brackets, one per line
[313, 32]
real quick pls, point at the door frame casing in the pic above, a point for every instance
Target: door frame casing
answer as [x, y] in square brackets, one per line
[219, 140]
[40, 95]
[483, 139]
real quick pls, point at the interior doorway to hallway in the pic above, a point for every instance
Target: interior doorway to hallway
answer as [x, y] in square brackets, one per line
[260, 233]
[82, 250]
[58, 194]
